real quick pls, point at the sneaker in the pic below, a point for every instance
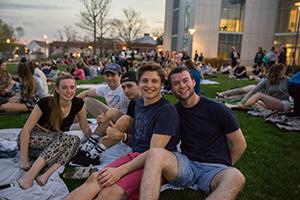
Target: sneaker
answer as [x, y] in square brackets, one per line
[83, 159]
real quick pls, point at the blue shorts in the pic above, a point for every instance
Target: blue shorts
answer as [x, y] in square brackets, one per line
[195, 174]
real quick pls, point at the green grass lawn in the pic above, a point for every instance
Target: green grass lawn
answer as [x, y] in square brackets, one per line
[271, 162]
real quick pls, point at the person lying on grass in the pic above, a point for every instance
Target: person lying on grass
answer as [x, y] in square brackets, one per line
[276, 96]
[270, 93]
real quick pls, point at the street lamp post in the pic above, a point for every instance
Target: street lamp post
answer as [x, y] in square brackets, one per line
[46, 49]
[297, 4]
[191, 31]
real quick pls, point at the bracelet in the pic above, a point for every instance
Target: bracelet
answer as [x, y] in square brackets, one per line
[125, 138]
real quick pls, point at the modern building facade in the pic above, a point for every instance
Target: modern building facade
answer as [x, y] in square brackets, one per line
[214, 26]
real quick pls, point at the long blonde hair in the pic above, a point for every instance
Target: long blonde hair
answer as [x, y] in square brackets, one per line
[56, 113]
[27, 80]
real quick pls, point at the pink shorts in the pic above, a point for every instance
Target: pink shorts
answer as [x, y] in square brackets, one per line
[131, 182]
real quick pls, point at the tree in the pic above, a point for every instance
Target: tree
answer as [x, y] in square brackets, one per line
[59, 35]
[158, 34]
[94, 17]
[130, 28]
[19, 32]
[6, 32]
[70, 33]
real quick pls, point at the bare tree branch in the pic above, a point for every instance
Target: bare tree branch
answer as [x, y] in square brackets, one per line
[93, 19]
[130, 28]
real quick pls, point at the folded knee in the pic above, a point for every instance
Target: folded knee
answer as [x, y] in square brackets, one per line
[238, 177]
[156, 154]
[112, 192]
[113, 114]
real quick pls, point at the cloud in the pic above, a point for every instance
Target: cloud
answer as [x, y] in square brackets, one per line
[30, 24]
[17, 6]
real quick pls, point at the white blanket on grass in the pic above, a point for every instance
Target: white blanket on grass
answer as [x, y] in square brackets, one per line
[55, 187]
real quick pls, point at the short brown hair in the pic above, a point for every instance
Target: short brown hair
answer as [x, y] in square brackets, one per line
[153, 67]
[178, 70]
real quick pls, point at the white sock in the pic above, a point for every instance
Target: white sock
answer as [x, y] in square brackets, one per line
[90, 144]
[97, 150]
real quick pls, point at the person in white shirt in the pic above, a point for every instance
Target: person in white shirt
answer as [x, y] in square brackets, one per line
[113, 95]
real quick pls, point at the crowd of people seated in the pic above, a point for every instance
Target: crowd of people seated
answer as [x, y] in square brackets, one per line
[136, 112]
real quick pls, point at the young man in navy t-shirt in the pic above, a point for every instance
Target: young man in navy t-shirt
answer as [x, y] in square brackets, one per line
[205, 161]
[155, 125]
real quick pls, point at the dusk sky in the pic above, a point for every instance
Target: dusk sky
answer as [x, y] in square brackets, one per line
[39, 17]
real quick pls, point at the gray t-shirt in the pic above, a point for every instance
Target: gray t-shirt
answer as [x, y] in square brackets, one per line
[279, 91]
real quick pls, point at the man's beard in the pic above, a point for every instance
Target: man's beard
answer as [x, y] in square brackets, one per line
[178, 96]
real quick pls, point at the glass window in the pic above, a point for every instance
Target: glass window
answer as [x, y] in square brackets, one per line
[175, 4]
[287, 17]
[226, 41]
[187, 15]
[186, 42]
[289, 43]
[175, 21]
[232, 15]
[174, 44]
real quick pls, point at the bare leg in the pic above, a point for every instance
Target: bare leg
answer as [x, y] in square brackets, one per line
[269, 101]
[160, 162]
[27, 180]
[86, 191]
[227, 184]
[42, 179]
[123, 124]
[237, 91]
[14, 107]
[95, 107]
[113, 192]
[261, 104]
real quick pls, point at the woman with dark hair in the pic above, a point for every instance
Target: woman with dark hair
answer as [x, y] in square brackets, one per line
[8, 87]
[276, 96]
[195, 75]
[42, 136]
[31, 92]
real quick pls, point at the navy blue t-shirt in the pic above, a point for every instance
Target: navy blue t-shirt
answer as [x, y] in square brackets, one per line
[130, 108]
[158, 118]
[203, 130]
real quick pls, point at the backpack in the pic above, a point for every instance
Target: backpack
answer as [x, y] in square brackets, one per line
[295, 79]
